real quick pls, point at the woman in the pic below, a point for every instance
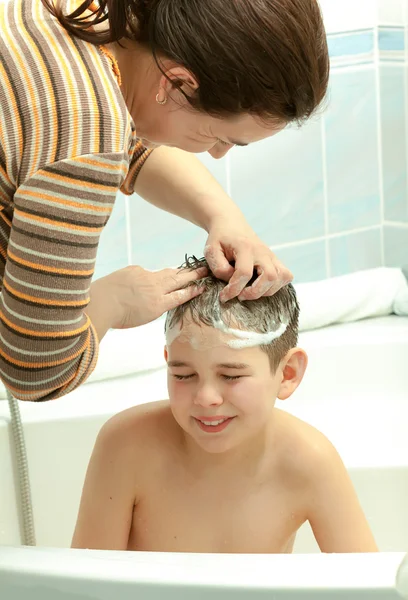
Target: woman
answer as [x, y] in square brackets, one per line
[118, 94]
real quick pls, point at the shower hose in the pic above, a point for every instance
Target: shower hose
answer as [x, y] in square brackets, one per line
[28, 534]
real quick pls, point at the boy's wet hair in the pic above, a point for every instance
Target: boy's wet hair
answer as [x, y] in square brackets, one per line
[263, 315]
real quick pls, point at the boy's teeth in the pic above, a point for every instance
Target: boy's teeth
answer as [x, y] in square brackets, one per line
[214, 423]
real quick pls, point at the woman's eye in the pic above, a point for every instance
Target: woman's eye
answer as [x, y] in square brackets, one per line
[224, 143]
[182, 377]
[231, 377]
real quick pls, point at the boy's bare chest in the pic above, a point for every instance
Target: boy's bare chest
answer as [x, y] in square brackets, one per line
[215, 518]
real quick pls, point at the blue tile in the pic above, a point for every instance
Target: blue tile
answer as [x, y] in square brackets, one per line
[278, 184]
[394, 142]
[352, 151]
[112, 251]
[306, 261]
[160, 239]
[351, 43]
[391, 39]
[355, 252]
[395, 246]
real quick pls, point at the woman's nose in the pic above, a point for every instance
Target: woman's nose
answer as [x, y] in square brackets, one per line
[219, 152]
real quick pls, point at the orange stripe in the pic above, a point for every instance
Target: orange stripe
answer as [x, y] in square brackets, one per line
[56, 223]
[74, 181]
[45, 301]
[113, 104]
[88, 161]
[76, 58]
[28, 82]
[54, 363]
[68, 77]
[12, 98]
[46, 334]
[27, 263]
[44, 196]
[45, 76]
[3, 252]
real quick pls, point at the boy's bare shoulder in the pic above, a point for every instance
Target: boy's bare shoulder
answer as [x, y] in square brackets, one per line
[140, 426]
[305, 452]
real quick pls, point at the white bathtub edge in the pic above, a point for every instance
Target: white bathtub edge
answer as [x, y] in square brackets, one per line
[330, 571]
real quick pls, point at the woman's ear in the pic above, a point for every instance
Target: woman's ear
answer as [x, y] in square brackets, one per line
[166, 354]
[293, 368]
[179, 78]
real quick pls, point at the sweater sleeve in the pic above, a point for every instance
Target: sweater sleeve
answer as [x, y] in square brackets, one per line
[138, 158]
[48, 345]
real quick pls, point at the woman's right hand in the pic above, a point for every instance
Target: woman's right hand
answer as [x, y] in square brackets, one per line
[133, 296]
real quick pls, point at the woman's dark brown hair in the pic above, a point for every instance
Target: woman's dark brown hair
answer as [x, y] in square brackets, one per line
[268, 58]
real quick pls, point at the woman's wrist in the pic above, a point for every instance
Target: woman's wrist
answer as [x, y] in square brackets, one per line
[102, 308]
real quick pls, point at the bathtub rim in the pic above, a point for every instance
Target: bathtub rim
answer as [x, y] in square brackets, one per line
[370, 571]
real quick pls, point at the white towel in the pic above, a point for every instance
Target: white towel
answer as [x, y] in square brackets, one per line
[371, 293]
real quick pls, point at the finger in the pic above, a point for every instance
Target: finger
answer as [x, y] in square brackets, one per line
[218, 262]
[269, 281]
[179, 297]
[244, 269]
[176, 278]
[260, 287]
[276, 288]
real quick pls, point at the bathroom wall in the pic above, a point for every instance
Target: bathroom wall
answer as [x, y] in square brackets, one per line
[329, 198]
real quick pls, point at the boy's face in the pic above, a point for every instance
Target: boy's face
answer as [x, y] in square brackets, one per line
[220, 396]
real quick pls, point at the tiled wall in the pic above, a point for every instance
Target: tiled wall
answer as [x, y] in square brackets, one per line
[330, 198]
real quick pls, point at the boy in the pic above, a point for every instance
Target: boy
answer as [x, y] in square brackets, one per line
[217, 468]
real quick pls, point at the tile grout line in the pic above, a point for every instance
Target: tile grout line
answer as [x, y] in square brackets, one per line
[331, 236]
[128, 231]
[379, 138]
[405, 15]
[325, 196]
[401, 224]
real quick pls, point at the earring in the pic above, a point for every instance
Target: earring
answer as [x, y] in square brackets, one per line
[161, 101]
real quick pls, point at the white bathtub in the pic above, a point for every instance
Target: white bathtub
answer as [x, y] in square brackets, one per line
[355, 391]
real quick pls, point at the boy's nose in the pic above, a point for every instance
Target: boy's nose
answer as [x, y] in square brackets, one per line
[208, 396]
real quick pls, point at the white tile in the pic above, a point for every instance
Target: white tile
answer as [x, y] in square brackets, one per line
[391, 12]
[348, 15]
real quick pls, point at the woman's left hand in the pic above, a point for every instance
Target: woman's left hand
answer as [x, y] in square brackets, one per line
[236, 241]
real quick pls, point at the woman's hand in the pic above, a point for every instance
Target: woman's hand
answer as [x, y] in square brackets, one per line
[236, 241]
[133, 296]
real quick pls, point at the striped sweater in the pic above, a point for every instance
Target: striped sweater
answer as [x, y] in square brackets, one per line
[67, 145]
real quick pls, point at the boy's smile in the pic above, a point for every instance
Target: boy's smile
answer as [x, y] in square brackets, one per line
[213, 424]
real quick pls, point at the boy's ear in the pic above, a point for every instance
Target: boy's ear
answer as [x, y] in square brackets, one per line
[293, 368]
[166, 354]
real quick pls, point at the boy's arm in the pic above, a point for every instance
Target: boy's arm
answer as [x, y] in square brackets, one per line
[108, 495]
[335, 514]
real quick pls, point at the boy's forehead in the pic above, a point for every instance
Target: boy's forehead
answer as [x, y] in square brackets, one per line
[208, 344]
[201, 336]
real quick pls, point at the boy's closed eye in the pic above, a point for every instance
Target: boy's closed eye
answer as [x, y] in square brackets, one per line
[186, 377]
